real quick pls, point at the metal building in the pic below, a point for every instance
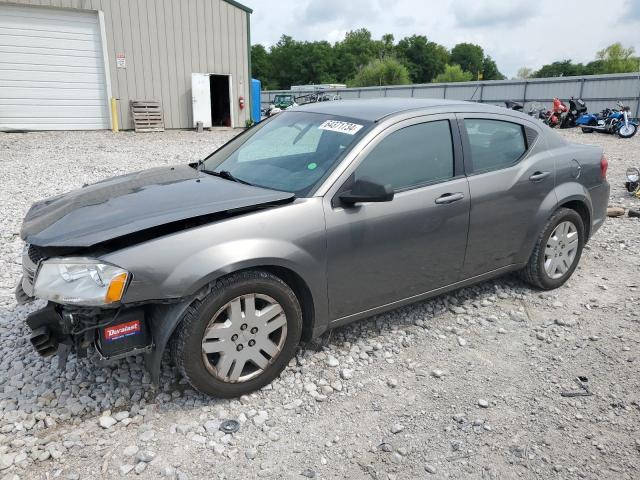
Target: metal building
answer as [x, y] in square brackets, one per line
[61, 61]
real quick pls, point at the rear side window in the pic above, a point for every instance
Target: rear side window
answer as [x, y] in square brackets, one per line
[495, 144]
[411, 156]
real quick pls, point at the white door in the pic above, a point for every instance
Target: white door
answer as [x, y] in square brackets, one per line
[52, 72]
[201, 98]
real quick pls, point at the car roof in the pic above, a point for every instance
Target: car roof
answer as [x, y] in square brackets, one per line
[374, 109]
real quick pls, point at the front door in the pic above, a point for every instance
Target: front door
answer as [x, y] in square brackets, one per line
[381, 253]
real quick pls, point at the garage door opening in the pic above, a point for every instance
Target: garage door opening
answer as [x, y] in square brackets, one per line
[220, 100]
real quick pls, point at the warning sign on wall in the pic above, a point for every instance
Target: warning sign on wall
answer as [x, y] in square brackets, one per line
[121, 60]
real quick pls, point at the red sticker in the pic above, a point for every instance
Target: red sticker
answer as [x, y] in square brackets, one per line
[117, 332]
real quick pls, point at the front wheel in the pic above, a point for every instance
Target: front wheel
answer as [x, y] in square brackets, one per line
[240, 337]
[627, 131]
[557, 251]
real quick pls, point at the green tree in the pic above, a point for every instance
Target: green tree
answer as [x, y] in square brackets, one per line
[301, 63]
[261, 66]
[490, 70]
[355, 51]
[618, 59]
[424, 59]
[525, 72]
[387, 45]
[453, 73]
[385, 71]
[564, 68]
[469, 56]
[596, 67]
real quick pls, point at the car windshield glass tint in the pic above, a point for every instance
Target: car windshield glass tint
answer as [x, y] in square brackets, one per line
[291, 152]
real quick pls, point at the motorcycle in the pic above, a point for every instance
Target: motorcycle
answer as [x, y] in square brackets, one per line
[557, 112]
[616, 121]
[539, 111]
[513, 105]
[577, 108]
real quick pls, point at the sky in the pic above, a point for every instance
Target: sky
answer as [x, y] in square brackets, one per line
[516, 33]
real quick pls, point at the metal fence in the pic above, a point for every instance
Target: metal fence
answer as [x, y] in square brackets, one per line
[598, 91]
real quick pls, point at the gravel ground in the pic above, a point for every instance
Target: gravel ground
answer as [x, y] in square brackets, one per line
[466, 385]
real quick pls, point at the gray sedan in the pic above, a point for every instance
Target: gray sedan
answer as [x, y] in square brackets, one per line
[317, 217]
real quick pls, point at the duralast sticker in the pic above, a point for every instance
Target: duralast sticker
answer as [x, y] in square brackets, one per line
[340, 127]
[122, 330]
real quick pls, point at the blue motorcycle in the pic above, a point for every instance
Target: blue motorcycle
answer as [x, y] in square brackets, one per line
[610, 121]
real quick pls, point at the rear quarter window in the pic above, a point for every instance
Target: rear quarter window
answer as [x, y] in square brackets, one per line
[495, 144]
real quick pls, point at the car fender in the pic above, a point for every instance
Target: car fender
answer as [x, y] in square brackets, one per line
[574, 191]
[193, 278]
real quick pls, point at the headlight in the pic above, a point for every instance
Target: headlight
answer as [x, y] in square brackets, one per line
[633, 174]
[80, 281]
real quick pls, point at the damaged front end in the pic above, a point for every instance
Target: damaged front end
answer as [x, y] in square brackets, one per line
[62, 327]
[115, 333]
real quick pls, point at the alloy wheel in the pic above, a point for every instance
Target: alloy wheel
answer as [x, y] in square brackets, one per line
[560, 252]
[244, 337]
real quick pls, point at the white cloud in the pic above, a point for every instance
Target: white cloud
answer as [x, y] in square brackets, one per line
[492, 13]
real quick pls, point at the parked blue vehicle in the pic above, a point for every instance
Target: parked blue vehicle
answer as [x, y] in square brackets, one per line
[610, 121]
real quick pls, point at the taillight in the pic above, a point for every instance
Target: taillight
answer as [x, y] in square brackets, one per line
[604, 165]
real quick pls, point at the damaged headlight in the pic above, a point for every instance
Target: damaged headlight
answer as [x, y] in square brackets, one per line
[80, 281]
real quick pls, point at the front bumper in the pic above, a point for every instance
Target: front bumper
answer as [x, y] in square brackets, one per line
[115, 333]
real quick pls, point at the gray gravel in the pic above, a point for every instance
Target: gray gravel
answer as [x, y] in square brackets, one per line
[467, 385]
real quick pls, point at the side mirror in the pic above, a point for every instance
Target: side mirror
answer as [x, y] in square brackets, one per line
[366, 191]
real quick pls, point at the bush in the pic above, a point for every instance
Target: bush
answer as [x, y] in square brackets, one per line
[453, 73]
[387, 71]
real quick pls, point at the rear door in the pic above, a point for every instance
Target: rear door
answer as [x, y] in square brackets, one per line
[511, 182]
[381, 253]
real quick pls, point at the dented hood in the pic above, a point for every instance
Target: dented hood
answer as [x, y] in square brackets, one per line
[127, 204]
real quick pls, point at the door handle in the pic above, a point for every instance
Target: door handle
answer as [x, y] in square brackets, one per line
[449, 198]
[538, 176]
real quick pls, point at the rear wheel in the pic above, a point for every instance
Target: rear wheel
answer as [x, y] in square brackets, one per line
[557, 251]
[240, 337]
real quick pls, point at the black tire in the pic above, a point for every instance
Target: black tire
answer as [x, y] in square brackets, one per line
[633, 132]
[587, 130]
[534, 273]
[186, 345]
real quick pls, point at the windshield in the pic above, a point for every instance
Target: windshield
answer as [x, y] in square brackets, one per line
[292, 152]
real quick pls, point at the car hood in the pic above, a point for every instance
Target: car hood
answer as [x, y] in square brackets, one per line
[131, 203]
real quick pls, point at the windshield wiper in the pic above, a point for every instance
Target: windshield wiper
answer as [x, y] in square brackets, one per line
[227, 175]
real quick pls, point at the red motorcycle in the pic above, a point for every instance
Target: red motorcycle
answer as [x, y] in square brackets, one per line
[558, 111]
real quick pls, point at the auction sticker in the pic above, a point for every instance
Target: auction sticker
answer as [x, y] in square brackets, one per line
[122, 330]
[340, 127]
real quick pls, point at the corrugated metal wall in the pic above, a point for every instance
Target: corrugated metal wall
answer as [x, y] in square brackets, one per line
[164, 42]
[599, 91]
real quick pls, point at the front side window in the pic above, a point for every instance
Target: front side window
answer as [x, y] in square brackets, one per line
[409, 157]
[292, 152]
[494, 144]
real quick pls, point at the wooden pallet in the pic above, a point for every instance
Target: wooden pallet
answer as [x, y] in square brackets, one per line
[147, 116]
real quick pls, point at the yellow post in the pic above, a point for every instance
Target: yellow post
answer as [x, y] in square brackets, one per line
[114, 116]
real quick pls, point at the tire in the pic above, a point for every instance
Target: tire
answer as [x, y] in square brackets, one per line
[587, 130]
[536, 273]
[632, 131]
[204, 371]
